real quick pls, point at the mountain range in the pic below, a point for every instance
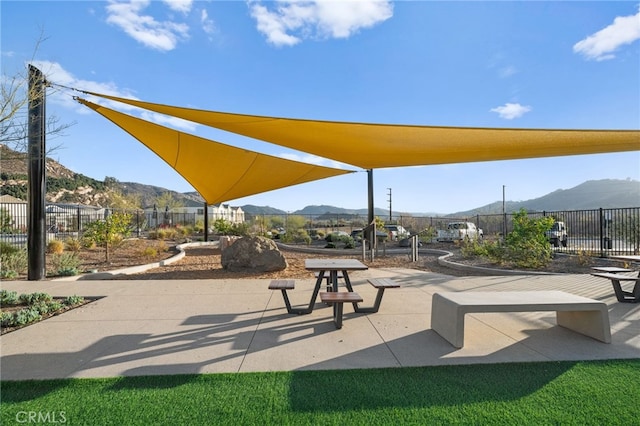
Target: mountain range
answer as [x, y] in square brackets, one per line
[66, 186]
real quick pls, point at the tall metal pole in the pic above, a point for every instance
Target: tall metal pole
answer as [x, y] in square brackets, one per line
[504, 215]
[36, 236]
[206, 221]
[390, 211]
[370, 187]
[372, 237]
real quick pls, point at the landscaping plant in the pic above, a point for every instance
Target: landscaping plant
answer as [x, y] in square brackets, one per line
[109, 232]
[32, 307]
[526, 246]
[13, 261]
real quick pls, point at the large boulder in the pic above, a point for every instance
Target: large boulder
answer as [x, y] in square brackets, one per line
[253, 253]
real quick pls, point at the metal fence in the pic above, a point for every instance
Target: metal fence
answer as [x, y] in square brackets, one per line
[598, 232]
[71, 221]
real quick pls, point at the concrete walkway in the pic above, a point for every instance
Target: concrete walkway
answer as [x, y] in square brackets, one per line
[212, 326]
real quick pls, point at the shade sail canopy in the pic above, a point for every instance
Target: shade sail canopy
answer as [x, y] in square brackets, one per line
[217, 171]
[384, 145]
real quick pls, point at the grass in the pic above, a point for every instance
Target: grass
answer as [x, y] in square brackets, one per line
[578, 393]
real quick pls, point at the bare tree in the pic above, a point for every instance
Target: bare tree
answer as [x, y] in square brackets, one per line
[14, 117]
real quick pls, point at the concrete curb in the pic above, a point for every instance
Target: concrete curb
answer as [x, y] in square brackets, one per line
[442, 260]
[137, 269]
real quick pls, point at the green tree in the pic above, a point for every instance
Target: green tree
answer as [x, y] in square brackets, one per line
[6, 221]
[109, 232]
[222, 227]
[167, 199]
[118, 200]
[527, 245]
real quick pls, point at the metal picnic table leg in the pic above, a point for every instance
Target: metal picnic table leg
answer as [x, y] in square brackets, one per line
[347, 282]
[316, 290]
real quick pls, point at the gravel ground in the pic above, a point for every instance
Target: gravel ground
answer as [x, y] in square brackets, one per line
[204, 263]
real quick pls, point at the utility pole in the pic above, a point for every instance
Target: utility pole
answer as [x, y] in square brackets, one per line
[504, 215]
[389, 200]
[36, 236]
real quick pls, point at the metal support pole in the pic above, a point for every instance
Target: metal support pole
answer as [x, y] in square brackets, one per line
[372, 233]
[36, 237]
[206, 221]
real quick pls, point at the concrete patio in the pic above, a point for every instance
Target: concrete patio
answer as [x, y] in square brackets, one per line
[213, 326]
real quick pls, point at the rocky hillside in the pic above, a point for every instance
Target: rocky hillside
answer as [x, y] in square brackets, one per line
[66, 186]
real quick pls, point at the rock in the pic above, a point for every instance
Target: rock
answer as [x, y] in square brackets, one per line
[253, 253]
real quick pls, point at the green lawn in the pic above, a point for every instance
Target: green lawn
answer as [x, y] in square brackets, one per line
[580, 393]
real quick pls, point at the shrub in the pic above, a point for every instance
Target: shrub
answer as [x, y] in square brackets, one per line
[163, 234]
[73, 300]
[6, 319]
[66, 264]
[149, 252]
[8, 298]
[26, 316]
[55, 247]
[73, 244]
[14, 262]
[38, 304]
[32, 298]
[6, 248]
[161, 246]
[473, 248]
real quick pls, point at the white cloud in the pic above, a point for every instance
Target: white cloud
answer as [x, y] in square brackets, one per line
[601, 45]
[507, 71]
[55, 73]
[510, 111]
[208, 26]
[289, 22]
[183, 6]
[146, 29]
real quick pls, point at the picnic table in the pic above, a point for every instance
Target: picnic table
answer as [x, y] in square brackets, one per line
[611, 269]
[333, 297]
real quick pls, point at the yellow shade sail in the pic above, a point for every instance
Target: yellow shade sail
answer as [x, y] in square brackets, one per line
[217, 171]
[384, 145]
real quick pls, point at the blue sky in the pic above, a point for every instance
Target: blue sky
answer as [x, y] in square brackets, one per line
[569, 65]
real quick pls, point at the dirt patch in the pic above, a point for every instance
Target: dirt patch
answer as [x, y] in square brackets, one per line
[205, 263]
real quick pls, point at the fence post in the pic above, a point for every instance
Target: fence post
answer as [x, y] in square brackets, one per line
[601, 232]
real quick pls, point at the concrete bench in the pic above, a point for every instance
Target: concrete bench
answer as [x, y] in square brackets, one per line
[381, 284]
[338, 298]
[623, 296]
[580, 314]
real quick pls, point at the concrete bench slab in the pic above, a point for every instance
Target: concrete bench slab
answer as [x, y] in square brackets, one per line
[580, 314]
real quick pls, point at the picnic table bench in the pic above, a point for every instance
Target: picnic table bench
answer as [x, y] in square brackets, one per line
[381, 284]
[283, 286]
[580, 314]
[623, 296]
[337, 299]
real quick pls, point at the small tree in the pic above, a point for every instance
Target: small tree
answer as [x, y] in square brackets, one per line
[109, 231]
[527, 245]
[6, 221]
[222, 227]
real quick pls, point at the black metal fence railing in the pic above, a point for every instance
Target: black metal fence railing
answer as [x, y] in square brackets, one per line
[597, 232]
